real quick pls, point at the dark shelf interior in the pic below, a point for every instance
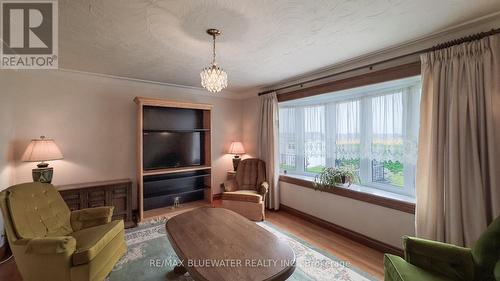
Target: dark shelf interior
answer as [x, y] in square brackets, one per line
[174, 138]
[161, 190]
[170, 118]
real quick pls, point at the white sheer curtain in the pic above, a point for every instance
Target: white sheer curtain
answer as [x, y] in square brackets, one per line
[387, 127]
[314, 136]
[394, 121]
[287, 138]
[348, 130]
[356, 130]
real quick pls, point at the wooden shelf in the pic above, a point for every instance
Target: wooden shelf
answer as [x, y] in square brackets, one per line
[168, 103]
[176, 131]
[175, 170]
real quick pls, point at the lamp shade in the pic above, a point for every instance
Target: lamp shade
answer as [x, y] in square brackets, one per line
[236, 148]
[42, 149]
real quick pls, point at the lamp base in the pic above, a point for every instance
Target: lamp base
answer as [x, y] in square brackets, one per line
[43, 175]
[236, 161]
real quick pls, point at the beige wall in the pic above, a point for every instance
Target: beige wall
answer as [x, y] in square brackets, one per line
[6, 134]
[92, 119]
[380, 223]
[250, 118]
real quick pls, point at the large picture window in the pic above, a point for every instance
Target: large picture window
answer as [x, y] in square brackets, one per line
[371, 129]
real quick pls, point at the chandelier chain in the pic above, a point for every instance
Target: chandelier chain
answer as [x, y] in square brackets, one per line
[214, 54]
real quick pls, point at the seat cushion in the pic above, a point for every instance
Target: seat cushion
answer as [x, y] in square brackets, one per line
[397, 269]
[243, 195]
[90, 241]
[38, 210]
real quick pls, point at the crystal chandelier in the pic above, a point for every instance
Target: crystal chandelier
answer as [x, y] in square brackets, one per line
[213, 77]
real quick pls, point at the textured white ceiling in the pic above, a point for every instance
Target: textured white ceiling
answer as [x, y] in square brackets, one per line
[263, 42]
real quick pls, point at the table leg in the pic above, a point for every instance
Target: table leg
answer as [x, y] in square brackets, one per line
[179, 269]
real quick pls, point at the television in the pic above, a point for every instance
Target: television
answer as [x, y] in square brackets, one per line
[166, 149]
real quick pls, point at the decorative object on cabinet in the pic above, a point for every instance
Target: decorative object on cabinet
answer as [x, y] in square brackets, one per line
[41, 150]
[237, 149]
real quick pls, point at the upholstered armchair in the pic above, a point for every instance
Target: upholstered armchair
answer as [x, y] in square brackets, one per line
[246, 192]
[436, 261]
[50, 243]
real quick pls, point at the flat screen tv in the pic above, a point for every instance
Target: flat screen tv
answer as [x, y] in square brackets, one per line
[171, 149]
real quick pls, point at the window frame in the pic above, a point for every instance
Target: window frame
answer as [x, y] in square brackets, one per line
[386, 75]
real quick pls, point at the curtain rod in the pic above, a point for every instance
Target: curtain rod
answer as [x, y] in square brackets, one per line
[440, 46]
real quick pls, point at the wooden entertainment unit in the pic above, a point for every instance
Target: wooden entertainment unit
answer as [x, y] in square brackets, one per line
[159, 187]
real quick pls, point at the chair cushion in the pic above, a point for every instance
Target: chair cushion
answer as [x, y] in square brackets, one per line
[397, 269]
[38, 210]
[250, 174]
[90, 241]
[242, 195]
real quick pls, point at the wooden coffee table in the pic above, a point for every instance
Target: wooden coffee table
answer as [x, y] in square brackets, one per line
[217, 244]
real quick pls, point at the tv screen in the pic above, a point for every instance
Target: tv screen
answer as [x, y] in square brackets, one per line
[171, 149]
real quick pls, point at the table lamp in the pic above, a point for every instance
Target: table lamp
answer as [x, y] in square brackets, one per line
[237, 149]
[41, 150]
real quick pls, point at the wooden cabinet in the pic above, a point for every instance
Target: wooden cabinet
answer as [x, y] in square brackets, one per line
[117, 193]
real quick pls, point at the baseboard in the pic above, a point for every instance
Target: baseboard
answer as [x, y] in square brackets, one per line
[217, 196]
[355, 236]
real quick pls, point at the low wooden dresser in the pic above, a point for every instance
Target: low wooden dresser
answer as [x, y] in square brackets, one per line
[117, 193]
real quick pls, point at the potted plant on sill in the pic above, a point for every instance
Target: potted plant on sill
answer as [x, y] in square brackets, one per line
[334, 177]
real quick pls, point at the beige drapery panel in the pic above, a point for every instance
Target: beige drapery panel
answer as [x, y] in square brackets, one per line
[458, 166]
[268, 145]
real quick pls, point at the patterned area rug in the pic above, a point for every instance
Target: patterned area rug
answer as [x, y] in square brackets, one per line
[151, 257]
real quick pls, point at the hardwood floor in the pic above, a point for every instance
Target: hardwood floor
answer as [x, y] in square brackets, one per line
[360, 256]
[8, 271]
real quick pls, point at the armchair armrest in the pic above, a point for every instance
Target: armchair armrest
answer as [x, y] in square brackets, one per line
[47, 258]
[446, 259]
[49, 245]
[85, 218]
[264, 188]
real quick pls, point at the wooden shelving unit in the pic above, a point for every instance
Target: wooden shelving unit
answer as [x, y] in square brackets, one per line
[201, 174]
[175, 170]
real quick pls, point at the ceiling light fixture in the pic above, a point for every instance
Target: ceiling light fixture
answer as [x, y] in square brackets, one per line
[213, 77]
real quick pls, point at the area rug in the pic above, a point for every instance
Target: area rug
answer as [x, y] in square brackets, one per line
[151, 257]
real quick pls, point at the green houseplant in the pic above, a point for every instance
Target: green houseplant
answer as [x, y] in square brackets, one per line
[333, 177]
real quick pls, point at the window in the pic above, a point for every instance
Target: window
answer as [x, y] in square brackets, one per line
[371, 129]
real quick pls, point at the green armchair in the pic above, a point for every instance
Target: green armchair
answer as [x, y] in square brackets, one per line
[435, 261]
[51, 243]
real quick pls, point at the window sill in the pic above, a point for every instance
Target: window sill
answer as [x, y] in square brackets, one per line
[373, 196]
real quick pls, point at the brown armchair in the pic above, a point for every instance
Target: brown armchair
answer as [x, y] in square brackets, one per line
[246, 193]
